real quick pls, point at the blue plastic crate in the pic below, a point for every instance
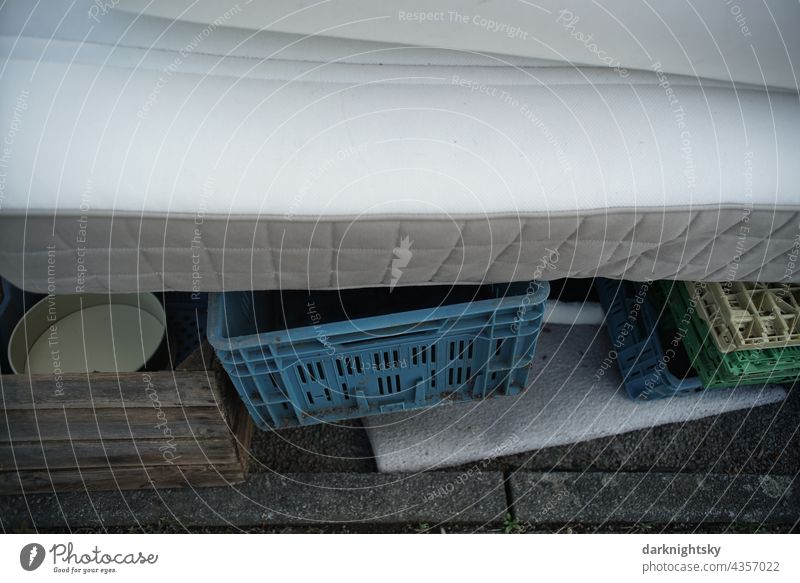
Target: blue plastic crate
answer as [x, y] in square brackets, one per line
[346, 368]
[632, 325]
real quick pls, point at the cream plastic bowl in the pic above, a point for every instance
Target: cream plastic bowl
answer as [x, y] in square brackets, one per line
[88, 333]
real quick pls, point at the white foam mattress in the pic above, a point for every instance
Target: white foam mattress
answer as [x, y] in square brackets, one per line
[744, 42]
[143, 153]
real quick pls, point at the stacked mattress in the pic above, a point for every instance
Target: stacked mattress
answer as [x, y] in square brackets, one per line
[147, 153]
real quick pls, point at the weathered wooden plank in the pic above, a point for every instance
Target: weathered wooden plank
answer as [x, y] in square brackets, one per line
[238, 416]
[120, 478]
[102, 431]
[105, 424]
[117, 453]
[110, 390]
[243, 435]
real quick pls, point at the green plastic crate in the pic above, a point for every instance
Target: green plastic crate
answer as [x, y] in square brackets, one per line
[717, 369]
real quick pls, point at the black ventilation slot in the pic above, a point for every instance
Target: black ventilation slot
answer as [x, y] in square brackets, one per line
[499, 347]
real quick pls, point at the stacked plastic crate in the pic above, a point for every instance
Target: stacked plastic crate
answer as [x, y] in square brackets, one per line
[690, 336]
[739, 333]
[300, 358]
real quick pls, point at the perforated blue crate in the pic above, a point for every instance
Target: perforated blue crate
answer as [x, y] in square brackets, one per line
[349, 368]
[632, 325]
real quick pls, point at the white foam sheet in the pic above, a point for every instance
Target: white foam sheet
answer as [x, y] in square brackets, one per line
[565, 404]
[572, 313]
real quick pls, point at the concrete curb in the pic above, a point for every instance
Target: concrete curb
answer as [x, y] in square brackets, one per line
[454, 498]
[653, 498]
[271, 500]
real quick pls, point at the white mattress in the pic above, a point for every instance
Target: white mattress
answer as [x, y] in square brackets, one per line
[145, 151]
[745, 42]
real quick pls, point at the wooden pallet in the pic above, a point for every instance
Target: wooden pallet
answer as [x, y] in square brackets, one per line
[101, 431]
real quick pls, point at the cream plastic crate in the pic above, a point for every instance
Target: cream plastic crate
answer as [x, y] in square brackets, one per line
[748, 316]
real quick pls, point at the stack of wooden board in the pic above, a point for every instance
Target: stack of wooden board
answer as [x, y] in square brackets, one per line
[106, 431]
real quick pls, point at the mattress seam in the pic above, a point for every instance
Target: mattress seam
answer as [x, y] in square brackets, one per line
[300, 218]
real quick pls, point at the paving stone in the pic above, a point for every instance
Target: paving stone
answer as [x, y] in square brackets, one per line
[324, 448]
[654, 498]
[761, 440]
[268, 499]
